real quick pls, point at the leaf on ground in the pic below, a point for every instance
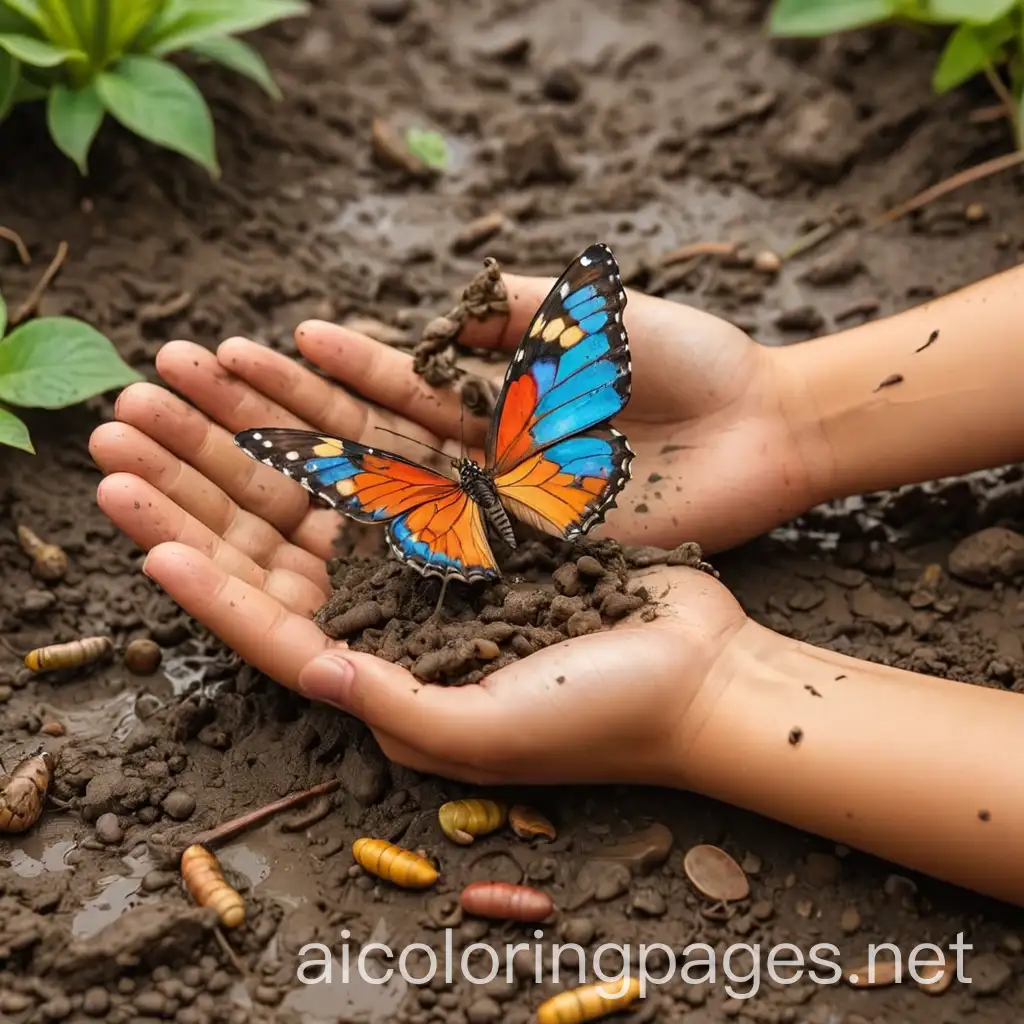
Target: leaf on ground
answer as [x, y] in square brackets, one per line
[73, 117]
[429, 146]
[822, 17]
[14, 433]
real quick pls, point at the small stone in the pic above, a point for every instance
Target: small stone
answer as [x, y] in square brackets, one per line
[899, 887]
[6, 692]
[142, 657]
[1012, 944]
[95, 1002]
[804, 908]
[618, 605]
[478, 231]
[650, 903]
[606, 880]
[583, 623]
[268, 995]
[57, 1008]
[589, 567]
[483, 1011]
[14, 1002]
[151, 1003]
[761, 910]
[767, 262]
[751, 864]
[155, 880]
[988, 556]
[800, 318]
[52, 729]
[975, 213]
[849, 921]
[821, 137]
[641, 851]
[214, 737]
[35, 602]
[108, 829]
[989, 974]
[578, 930]
[566, 579]
[179, 805]
[806, 598]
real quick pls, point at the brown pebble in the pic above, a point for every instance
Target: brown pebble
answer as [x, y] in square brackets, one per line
[619, 605]
[583, 623]
[649, 848]
[566, 579]
[478, 231]
[485, 650]
[975, 213]
[715, 874]
[936, 978]
[822, 869]
[364, 615]
[178, 804]
[882, 972]
[52, 729]
[142, 657]
[849, 922]
[767, 262]
[590, 567]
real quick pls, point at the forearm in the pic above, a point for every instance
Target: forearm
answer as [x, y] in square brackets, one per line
[883, 404]
[921, 771]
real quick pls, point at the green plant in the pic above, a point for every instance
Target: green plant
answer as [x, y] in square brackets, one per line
[90, 58]
[51, 363]
[429, 146]
[987, 38]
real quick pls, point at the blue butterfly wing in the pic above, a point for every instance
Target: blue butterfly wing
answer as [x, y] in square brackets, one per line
[556, 461]
[433, 525]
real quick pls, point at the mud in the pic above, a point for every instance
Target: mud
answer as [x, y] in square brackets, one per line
[651, 126]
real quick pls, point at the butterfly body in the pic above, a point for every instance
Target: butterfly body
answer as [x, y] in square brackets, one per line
[552, 460]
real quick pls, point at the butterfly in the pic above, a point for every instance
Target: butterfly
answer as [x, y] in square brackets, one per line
[552, 459]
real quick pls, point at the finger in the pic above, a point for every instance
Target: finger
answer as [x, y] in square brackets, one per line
[261, 629]
[150, 519]
[409, 757]
[386, 377]
[525, 295]
[121, 448]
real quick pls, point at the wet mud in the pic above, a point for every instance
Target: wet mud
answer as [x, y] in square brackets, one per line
[653, 127]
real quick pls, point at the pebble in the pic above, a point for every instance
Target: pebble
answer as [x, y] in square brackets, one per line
[583, 623]
[179, 805]
[761, 910]
[988, 556]
[566, 579]
[151, 1003]
[606, 880]
[578, 930]
[34, 602]
[989, 974]
[849, 921]
[108, 829]
[14, 1002]
[1012, 944]
[142, 657]
[589, 567]
[642, 851]
[6, 692]
[52, 729]
[618, 605]
[219, 982]
[268, 995]
[806, 598]
[154, 881]
[95, 1002]
[649, 902]
[483, 1011]
[57, 1008]
[478, 231]
[804, 909]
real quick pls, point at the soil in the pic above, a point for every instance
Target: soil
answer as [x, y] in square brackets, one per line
[649, 125]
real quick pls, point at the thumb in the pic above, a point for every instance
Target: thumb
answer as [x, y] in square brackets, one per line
[452, 723]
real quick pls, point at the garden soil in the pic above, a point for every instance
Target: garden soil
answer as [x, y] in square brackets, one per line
[650, 125]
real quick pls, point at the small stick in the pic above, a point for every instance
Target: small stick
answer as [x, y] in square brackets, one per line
[972, 174]
[982, 115]
[15, 239]
[29, 305]
[999, 88]
[231, 828]
[811, 239]
[687, 252]
[229, 952]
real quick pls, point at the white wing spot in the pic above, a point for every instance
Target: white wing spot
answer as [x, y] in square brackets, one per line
[564, 290]
[585, 261]
[268, 444]
[291, 456]
[257, 437]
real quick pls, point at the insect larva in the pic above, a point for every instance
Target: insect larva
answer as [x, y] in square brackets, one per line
[204, 878]
[48, 560]
[463, 820]
[393, 864]
[69, 655]
[506, 901]
[588, 1003]
[23, 793]
[527, 822]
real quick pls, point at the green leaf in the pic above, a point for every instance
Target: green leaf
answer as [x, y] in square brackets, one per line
[183, 23]
[821, 17]
[26, 91]
[14, 433]
[29, 10]
[58, 361]
[972, 12]
[3, 316]
[126, 20]
[429, 146]
[12, 21]
[161, 103]
[240, 57]
[968, 52]
[74, 117]
[10, 76]
[36, 52]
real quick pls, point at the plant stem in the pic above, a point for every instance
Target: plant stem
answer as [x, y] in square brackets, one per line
[1000, 89]
[27, 308]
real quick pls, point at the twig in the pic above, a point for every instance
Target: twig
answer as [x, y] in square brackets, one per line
[972, 174]
[999, 88]
[687, 252]
[28, 307]
[812, 238]
[231, 828]
[229, 952]
[15, 239]
[985, 114]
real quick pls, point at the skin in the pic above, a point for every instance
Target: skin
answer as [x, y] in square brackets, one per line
[701, 698]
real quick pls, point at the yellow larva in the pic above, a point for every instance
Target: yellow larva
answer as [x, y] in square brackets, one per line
[394, 864]
[463, 820]
[588, 1003]
[70, 655]
[205, 880]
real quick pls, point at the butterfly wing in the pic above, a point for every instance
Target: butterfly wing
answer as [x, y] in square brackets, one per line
[431, 522]
[556, 462]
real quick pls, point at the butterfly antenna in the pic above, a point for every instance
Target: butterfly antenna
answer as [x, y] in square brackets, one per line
[462, 430]
[414, 441]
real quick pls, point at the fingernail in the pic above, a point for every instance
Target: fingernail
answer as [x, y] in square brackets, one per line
[145, 567]
[329, 679]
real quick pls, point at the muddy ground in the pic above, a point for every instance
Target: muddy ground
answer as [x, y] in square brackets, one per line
[648, 125]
